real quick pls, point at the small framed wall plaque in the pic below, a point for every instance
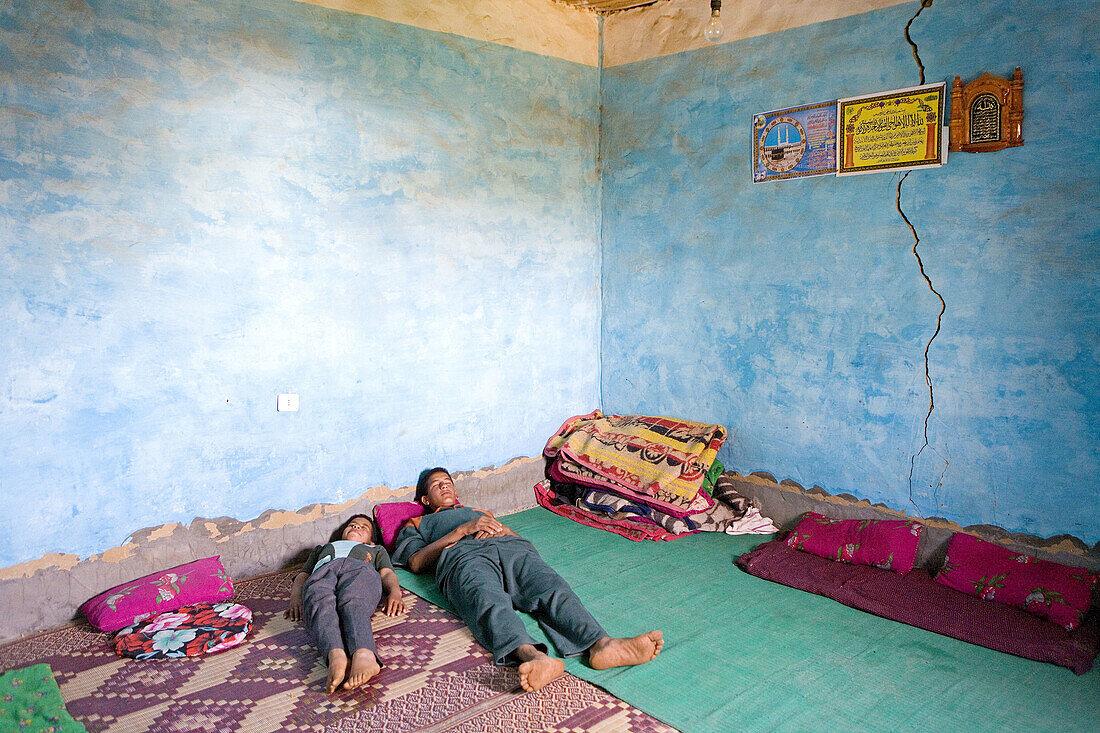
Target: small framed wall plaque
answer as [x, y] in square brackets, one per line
[987, 114]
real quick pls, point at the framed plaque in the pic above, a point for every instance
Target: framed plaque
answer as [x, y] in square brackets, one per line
[987, 114]
[896, 130]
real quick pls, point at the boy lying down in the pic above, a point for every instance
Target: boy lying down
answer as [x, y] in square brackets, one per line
[335, 594]
[486, 571]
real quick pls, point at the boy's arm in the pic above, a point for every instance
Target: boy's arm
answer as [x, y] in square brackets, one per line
[294, 606]
[484, 526]
[393, 603]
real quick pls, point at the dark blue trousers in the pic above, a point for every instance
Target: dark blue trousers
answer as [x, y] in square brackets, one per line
[338, 600]
[488, 581]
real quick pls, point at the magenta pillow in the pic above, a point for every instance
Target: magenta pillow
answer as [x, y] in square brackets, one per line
[890, 544]
[390, 517]
[202, 581]
[1056, 592]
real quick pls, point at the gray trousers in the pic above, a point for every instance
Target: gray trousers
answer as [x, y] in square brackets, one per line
[338, 600]
[490, 581]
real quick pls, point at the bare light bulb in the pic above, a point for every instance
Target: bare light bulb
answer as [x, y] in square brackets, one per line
[714, 30]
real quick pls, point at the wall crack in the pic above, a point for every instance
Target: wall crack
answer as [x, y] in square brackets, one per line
[920, 263]
[916, 56]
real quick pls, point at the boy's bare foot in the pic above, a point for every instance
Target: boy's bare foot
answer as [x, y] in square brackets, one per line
[337, 666]
[364, 665]
[607, 652]
[538, 672]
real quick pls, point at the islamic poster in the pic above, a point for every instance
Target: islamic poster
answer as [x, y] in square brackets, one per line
[795, 142]
[895, 130]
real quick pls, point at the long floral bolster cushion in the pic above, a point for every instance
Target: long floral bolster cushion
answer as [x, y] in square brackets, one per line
[201, 581]
[917, 600]
[188, 631]
[890, 544]
[1050, 590]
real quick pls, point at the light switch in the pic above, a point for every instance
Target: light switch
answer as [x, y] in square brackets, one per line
[287, 403]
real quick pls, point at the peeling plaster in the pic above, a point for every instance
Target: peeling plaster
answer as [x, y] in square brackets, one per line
[163, 531]
[116, 554]
[51, 560]
[47, 591]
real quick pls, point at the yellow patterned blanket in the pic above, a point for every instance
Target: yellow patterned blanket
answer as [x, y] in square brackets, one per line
[658, 460]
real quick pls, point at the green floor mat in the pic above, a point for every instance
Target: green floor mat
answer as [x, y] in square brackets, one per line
[30, 700]
[744, 654]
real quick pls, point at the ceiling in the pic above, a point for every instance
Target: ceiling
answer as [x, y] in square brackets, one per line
[607, 6]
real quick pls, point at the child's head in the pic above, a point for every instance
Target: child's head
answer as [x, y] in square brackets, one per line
[435, 488]
[358, 528]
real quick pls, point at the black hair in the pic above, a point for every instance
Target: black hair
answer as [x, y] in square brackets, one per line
[422, 481]
[338, 534]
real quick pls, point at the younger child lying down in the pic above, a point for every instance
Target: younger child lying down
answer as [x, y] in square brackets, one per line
[337, 592]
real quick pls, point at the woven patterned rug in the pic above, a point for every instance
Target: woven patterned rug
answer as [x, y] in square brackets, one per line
[436, 678]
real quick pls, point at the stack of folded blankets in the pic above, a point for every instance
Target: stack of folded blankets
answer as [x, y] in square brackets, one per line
[644, 478]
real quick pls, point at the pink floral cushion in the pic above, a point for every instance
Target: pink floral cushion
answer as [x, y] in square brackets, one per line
[1056, 592]
[390, 517]
[188, 631]
[890, 544]
[202, 581]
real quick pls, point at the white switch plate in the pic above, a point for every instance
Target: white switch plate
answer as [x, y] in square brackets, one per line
[287, 403]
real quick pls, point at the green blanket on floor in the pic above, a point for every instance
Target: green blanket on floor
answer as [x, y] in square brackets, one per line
[31, 701]
[743, 654]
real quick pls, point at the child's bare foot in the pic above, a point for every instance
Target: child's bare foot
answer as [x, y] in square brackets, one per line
[337, 666]
[364, 665]
[538, 672]
[607, 652]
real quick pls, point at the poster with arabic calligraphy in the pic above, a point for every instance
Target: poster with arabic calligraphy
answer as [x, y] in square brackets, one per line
[795, 142]
[896, 130]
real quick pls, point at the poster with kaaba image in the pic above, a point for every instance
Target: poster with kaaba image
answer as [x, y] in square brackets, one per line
[794, 142]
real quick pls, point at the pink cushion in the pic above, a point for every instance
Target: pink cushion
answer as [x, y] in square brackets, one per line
[890, 544]
[202, 581]
[1049, 590]
[390, 517]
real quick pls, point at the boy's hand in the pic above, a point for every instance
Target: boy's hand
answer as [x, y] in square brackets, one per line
[394, 605]
[484, 526]
[294, 606]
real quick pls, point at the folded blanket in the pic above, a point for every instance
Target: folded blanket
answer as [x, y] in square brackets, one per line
[718, 517]
[630, 528]
[656, 459]
[565, 471]
[606, 510]
[917, 600]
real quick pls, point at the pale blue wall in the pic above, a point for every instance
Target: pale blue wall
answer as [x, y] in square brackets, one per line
[205, 204]
[795, 313]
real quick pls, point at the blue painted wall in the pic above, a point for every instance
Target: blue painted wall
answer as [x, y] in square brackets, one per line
[205, 204]
[795, 313]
